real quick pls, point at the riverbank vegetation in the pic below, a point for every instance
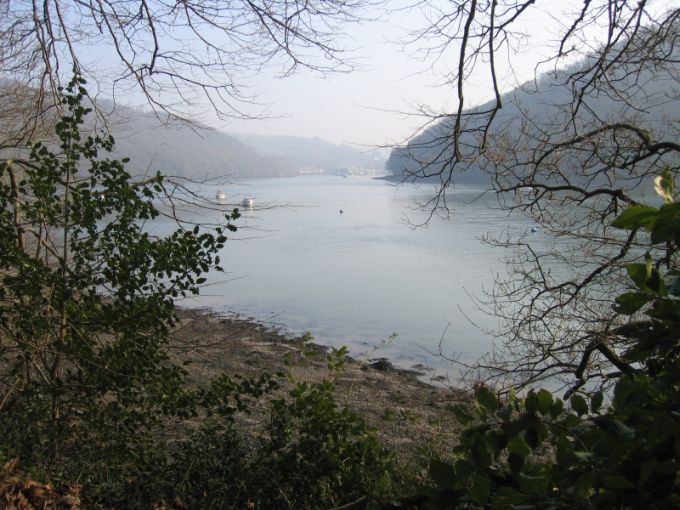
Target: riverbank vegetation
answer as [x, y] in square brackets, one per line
[90, 396]
[95, 402]
[92, 401]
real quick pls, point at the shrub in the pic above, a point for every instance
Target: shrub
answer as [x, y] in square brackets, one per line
[87, 390]
[601, 451]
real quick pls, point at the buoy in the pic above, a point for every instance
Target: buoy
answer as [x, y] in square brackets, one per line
[340, 211]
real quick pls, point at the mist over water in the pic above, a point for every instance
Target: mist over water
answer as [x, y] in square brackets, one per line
[358, 277]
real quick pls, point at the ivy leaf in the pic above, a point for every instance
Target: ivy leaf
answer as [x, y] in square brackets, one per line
[583, 485]
[518, 446]
[516, 462]
[645, 471]
[624, 431]
[664, 185]
[505, 412]
[534, 484]
[630, 302]
[635, 217]
[545, 401]
[442, 473]
[596, 401]
[480, 490]
[623, 391]
[508, 497]
[486, 398]
[665, 310]
[579, 405]
[639, 274]
[655, 283]
[565, 452]
[666, 230]
[531, 403]
[463, 470]
[462, 415]
[556, 408]
[617, 482]
[479, 453]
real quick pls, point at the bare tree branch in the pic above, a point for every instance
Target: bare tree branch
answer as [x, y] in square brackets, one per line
[569, 150]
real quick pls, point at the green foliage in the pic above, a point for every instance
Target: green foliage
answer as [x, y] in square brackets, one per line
[86, 300]
[318, 454]
[539, 452]
[543, 456]
[310, 454]
[87, 391]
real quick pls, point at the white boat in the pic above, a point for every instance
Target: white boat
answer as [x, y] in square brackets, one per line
[247, 201]
[221, 195]
[528, 191]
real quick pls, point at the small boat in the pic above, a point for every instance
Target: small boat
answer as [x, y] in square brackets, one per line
[528, 191]
[247, 201]
[220, 195]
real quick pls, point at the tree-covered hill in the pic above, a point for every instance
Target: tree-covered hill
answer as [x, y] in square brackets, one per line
[535, 107]
[199, 152]
[194, 152]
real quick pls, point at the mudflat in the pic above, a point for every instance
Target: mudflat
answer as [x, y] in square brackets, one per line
[407, 412]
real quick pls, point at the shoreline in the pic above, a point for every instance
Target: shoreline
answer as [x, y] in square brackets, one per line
[365, 351]
[236, 323]
[403, 408]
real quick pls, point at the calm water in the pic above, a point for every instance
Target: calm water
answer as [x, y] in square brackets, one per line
[360, 277]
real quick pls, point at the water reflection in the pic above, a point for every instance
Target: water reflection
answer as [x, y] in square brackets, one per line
[358, 277]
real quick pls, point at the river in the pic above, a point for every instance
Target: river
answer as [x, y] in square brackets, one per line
[343, 259]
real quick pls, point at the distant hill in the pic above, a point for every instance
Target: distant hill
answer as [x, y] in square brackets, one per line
[189, 151]
[426, 154]
[201, 153]
[315, 154]
[537, 103]
[151, 142]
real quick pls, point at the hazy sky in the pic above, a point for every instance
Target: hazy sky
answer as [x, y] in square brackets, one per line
[358, 107]
[363, 107]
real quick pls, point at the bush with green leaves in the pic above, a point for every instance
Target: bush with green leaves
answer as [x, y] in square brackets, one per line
[312, 454]
[86, 302]
[317, 454]
[618, 450]
[88, 394]
[321, 455]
